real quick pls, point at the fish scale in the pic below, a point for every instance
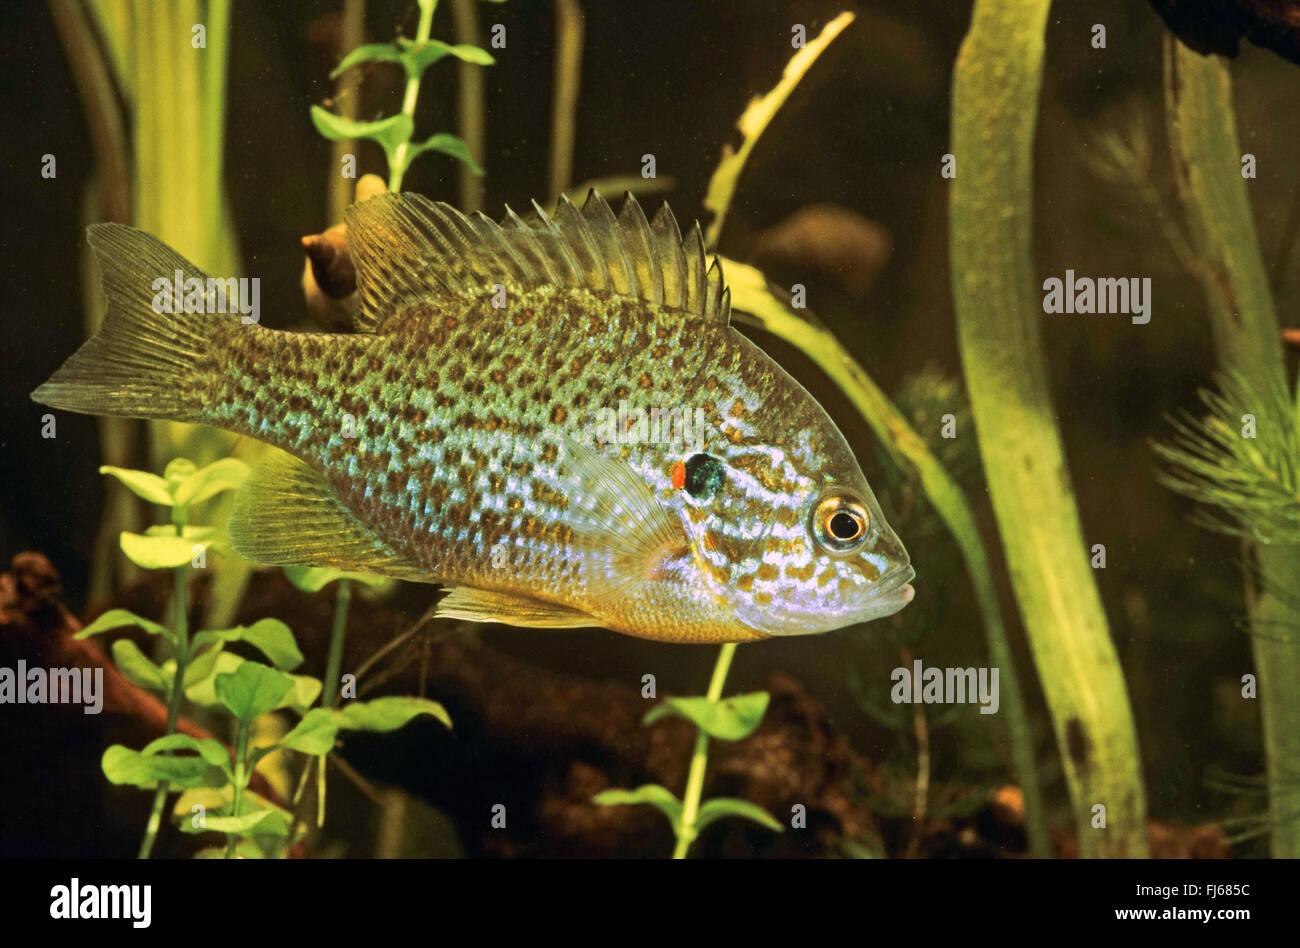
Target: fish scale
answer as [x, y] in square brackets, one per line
[457, 440]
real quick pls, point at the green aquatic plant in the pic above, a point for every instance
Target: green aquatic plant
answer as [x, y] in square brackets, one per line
[199, 669]
[725, 719]
[312, 579]
[753, 301]
[1247, 472]
[994, 110]
[395, 133]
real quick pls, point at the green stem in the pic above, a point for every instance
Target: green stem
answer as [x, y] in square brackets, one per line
[400, 160]
[241, 781]
[333, 667]
[700, 759]
[334, 664]
[180, 645]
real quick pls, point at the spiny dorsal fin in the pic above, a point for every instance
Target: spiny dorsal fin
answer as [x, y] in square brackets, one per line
[407, 248]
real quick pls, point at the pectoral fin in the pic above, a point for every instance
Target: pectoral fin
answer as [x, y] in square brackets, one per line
[623, 535]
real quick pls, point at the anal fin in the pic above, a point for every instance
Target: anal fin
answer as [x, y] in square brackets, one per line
[483, 605]
[287, 514]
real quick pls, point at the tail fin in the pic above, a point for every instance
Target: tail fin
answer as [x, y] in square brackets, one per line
[140, 363]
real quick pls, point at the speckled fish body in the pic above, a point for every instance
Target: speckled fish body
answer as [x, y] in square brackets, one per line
[481, 432]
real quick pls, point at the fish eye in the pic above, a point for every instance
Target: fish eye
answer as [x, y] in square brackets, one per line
[704, 475]
[840, 524]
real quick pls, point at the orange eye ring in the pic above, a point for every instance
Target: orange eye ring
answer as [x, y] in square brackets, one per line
[840, 524]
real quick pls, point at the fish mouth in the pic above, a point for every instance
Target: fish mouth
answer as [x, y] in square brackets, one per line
[893, 591]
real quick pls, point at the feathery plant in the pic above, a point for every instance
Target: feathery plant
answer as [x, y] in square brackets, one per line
[1249, 475]
[200, 669]
[1241, 460]
[395, 133]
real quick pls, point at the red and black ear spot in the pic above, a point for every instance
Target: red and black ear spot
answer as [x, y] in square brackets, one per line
[679, 475]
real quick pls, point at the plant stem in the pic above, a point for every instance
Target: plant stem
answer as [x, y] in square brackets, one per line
[333, 666]
[342, 599]
[180, 645]
[400, 161]
[695, 779]
[241, 780]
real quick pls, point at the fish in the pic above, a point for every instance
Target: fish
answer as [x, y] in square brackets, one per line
[496, 424]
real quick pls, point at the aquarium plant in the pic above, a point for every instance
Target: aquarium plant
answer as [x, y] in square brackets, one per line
[199, 668]
[395, 133]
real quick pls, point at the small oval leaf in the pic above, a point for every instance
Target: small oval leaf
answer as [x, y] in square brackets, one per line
[116, 619]
[143, 484]
[730, 719]
[157, 552]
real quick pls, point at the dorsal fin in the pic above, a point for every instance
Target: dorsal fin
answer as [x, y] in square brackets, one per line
[407, 248]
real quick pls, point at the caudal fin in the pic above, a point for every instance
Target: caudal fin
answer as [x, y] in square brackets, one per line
[140, 363]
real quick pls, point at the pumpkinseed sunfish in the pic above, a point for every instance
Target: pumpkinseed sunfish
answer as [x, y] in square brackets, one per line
[552, 418]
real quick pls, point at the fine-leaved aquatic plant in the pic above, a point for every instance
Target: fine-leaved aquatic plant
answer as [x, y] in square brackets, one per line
[1248, 474]
[201, 670]
[729, 719]
[394, 134]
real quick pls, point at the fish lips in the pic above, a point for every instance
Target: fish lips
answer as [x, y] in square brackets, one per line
[883, 598]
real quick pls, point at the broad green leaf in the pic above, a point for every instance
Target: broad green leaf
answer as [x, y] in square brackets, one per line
[122, 765]
[388, 133]
[314, 734]
[720, 807]
[202, 668]
[730, 719]
[301, 695]
[143, 484]
[657, 796]
[369, 53]
[312, 579]
[449, 145]
[251, 689]
[214, 753]
[417, 57]
[157, 552]
[232, 825]
[137, 668]
[197, 534]
[388, 714]
[271, 636]
[226, 474]
[116, 619]
[178, 471]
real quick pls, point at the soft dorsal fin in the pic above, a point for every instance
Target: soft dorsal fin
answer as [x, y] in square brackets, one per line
[408, 248]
